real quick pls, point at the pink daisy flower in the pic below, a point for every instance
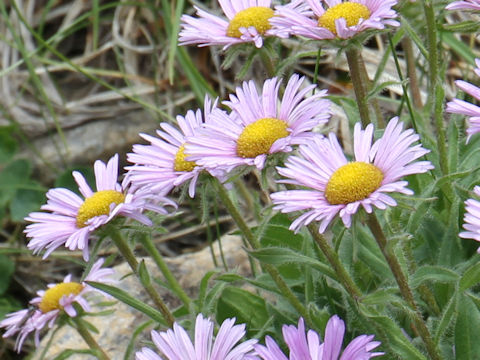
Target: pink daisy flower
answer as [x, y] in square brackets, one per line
[70, 220]
[462, 107]
[58, 299]
[259, 125]
[176, 344]
[309, 347]
[248, 21]
[341, 187]
[338, 19]
[472, 218]
[161, 166]
[464, 5]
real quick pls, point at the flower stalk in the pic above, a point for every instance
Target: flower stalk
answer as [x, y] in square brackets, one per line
[129, 256]
[402, 282]
[163, 267]
[436, 94]
[89, 339]
[357, 69]
[255, 244]
[332, 257]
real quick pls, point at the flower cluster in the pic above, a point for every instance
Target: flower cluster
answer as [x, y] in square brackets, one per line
[59, 299]
[176, 344]
[250, 21]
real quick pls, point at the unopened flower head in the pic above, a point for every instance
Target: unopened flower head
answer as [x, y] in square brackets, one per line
[259, 125]
[309, 347]
[472, 218]
[247, 22]
[464, 5]
[331, 19]
[463, 107]
[51, 303]
[176, 344]
[341, 187]
[162, 165]
[70, 220]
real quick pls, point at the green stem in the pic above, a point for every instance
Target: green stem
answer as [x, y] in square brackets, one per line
[267, 62]
[332, 257]
[85, 334]
[162, 266]
[255, 244]
[359, 84]
[411, 73]
[432, 47]
[402, 282]
[436, 93]
[317, 67]
[127, 253]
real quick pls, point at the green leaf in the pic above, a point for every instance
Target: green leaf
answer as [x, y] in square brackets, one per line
[7, 267]
[65, 354]
[467, 329]
[66, 180]
[24, 202]
[459, 47]
[280, 256]
[382, 297]
[8, 145]
[143, 274]
[11, 177]
[432, 273]
[244, 306]
[470, 277]
[129, 300]
[447, 318]
[397, 341]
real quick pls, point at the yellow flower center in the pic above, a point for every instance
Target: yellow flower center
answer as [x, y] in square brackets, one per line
[352, 182]
[98, 204]
[350, 11]
[258, 137]
[180, 163]
[51, 298]
[256, 16]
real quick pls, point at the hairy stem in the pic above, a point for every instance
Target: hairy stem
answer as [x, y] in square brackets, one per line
[127, 253]
[332, 257]
[255, 244]
[85, 334]
[162, 266]
[360, 86]
[402, 282]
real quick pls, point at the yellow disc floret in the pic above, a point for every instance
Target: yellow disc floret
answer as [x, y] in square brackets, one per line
[180, 163]
[352, 12]
[256, 16]
[51, 298]
[98, 204]
[257, 138]
[352, 182]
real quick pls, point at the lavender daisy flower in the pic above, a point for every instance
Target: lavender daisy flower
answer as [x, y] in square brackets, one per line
[462, 107]
[309, 347]
[248, 21]
[259, 124]
[51, 303]
[472, 218]
[71, 220]
[341, 187]
[176, 344]
[464, 5]
[339, 19]
[162, 165]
